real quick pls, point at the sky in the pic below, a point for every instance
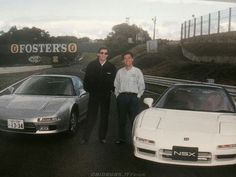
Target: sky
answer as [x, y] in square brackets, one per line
[95, 18]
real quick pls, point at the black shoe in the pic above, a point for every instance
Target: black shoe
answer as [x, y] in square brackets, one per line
[83, 141]
[103, 141]
[120, 142]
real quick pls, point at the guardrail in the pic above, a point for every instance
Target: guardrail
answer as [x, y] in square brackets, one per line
[13, 85]
[167, 82]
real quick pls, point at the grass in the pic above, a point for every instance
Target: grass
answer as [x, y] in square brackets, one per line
[89, 56]
[222, 44]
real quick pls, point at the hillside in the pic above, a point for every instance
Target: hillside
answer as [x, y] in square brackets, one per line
[170, 62]
[222, 44]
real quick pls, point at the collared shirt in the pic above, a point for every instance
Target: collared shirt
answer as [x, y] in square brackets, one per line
[102, 63]
[129, 81]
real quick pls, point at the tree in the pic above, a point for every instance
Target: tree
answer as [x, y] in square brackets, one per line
[83, 39]
[1, 32]
[117, 40]
[35, 35]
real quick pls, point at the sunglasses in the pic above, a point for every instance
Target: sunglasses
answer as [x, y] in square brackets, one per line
[105, 53]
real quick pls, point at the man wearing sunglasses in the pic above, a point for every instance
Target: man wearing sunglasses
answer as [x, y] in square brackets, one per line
[98, 81]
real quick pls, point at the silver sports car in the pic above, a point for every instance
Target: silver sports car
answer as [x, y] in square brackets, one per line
[44, 104]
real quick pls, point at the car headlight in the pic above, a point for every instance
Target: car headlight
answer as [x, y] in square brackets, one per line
[48, 119]
[146, 141]
[226, 146]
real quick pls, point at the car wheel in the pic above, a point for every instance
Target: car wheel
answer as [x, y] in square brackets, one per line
[73, 124]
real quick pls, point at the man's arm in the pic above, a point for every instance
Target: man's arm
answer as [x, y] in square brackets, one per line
[141, 84]
[86, 78]
[113, 77]
[117, 83]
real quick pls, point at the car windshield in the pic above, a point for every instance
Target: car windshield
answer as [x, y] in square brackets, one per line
[46, 85]
[196, 99]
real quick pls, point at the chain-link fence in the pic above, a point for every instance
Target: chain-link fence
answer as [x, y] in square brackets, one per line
[216, 22]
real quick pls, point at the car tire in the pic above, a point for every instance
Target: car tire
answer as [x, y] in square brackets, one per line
[73, 124]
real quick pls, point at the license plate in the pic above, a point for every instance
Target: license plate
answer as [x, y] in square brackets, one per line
[185, 153]
[15, 124]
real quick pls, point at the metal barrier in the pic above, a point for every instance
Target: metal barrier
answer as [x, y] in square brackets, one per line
[167, 82]
[2, 92]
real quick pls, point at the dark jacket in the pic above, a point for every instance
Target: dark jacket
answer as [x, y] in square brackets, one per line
[99, 79]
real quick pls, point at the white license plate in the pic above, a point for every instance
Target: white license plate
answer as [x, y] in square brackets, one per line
[15, 124]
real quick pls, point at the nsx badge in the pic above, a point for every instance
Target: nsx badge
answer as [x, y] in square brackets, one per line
[185, 153]
[186, 138]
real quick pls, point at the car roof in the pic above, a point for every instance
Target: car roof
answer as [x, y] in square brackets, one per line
[206, 85]
[55, 75]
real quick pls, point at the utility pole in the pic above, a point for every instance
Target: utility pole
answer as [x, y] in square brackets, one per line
[194, 25]
[154, 30]
[127, 20]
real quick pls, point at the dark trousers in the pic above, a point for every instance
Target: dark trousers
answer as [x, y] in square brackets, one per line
[128, 106]
[97, 101]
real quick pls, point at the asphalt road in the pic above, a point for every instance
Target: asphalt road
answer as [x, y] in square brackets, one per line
[63, 156]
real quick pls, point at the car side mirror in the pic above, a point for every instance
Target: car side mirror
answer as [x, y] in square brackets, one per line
[148, 101]
[7, 91]
[82, 93]
[11, 90]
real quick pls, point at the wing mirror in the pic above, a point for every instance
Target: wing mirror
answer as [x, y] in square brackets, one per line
[82, 93]
[148, 101]
[11, 90]
[7, 91]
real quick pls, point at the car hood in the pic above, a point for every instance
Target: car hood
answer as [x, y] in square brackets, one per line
[189, 121]
[13, 106]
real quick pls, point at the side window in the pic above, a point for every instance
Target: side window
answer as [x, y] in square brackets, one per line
[78, 85]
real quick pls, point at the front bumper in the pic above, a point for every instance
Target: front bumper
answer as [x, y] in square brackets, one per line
[35, 128]
[164, 155]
